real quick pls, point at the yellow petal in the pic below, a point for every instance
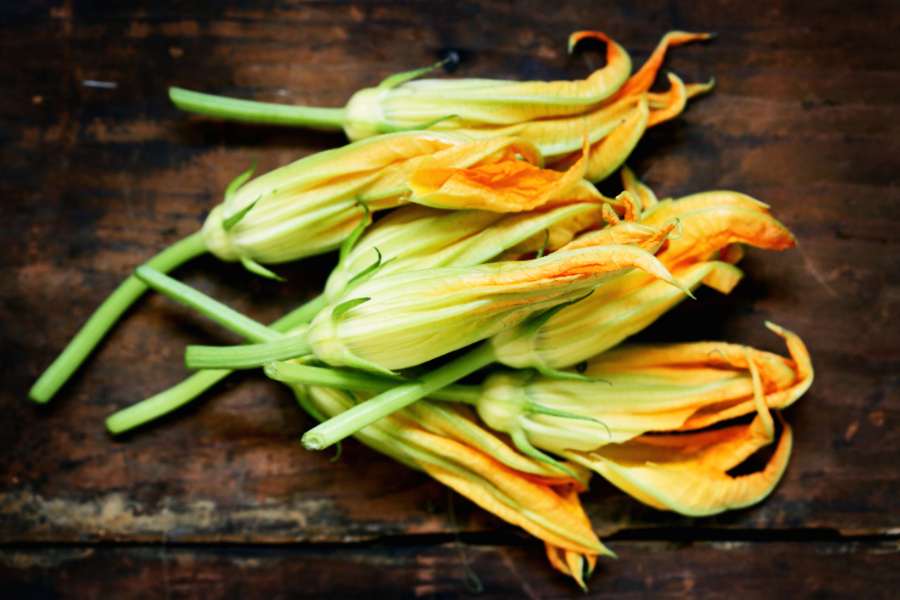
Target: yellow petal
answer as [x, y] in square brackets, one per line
[623, 234]
[557, 136]
[669, 209]
[634, 185]
[608, 154]
[677, 100]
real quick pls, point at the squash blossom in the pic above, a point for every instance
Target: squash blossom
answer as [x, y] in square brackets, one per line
[406, 319]
[712, 225]
[688, 472]
[448, 443]
[615, 108]
[312, 205]
[636, 389]
[414, 238]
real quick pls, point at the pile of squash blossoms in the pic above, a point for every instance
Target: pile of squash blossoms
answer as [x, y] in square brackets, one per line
[497, 251]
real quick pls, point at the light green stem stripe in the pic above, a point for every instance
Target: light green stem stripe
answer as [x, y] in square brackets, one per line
[165, 402]
[218, 312]
[366, 413]
[364, 382]
[256, 112]
[106, 316]
[248, 356]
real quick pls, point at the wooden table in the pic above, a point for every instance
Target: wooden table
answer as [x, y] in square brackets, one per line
[220, 501]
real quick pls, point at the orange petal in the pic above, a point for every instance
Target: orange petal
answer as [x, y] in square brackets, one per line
[643, 80]
[688, 473]
[554, 517]
[510, 186]
[709, 229]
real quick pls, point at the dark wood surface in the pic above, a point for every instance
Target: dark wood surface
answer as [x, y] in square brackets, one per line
[805, 116]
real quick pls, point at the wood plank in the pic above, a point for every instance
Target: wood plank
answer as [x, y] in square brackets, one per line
[96, 180]
[862, 570]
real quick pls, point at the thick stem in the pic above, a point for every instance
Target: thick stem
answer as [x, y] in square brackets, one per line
[165, 402]
[246, 356]
[364, 382]
[256, 112]
[366, 413]
[106, 316]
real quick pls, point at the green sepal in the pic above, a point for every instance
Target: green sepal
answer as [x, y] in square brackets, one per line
[351, 360]
[533, 407]
[679, 228]
[233, 220]
[525, 447]
[341, 309]
[351, 240]
[557, 374]
[543, 249]
[238, 181]
[257, 269]
[337, 454]
[537, 322]
[398, 78]
[385, 128]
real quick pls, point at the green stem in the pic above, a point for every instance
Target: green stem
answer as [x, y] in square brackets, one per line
[366, 413]
[247, 356]
[106, 316]
[256, 112]
[364, 382]
[218, 312]
[179, 395]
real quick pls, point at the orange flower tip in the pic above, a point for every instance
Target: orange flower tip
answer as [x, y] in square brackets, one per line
[776, 328]
[580, 35]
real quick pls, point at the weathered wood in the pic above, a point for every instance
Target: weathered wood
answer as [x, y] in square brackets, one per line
[96, 180]
[862, 571]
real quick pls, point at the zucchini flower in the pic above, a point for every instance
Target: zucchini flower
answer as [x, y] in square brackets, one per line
[615, 109]
[711, 224]
[414, 238]
[657, 389]
[447, 442]
[312, 205]
[406, 319]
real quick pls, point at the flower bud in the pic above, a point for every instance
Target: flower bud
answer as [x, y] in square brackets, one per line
[418, 237]
[409, 318]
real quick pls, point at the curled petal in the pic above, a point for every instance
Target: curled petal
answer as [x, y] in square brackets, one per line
[642, 81]
[677, 100]
[634, 185]
[688, 473]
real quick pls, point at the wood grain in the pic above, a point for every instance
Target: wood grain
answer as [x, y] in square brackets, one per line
[822, 570]
[95, 181]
